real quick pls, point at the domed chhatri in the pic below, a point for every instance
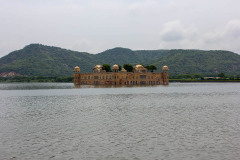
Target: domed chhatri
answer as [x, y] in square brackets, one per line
[115, 67]
[98, 66]
[124, 70]
[76, 69]
[139, 66]
[139, 76]
[139, 69]
[165, 68]
[97, 69]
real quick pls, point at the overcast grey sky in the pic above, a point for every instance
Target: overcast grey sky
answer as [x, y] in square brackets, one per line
[97, 25]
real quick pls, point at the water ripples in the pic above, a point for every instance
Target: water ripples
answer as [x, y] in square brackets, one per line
[182, 121]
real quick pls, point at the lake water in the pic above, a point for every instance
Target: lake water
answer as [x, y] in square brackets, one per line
[180, 121]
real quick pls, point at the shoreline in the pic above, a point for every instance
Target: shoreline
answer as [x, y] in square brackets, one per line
[170, 81]
[204, 81]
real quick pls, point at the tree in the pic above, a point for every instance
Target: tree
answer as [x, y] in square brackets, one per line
[238, 77]
[222, 75]
[107, 67]
[231, 77]
[147, 67]
[128, 67]
[197, 75]
[187, 76]
[120, 67]
[152, 68]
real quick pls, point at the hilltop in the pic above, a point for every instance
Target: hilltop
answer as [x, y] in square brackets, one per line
[41, 60]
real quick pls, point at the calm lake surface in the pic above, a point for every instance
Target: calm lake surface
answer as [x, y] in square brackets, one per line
[180, 121]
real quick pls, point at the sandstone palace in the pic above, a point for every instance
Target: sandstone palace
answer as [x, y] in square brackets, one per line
[139, 76]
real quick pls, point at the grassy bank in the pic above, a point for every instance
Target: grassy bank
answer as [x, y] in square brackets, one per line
[196, 80]
[70, 79]
[36, 79]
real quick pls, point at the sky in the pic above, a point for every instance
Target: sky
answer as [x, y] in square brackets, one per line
[97, 25]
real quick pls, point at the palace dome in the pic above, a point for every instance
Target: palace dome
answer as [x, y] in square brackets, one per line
[98, 66]
[124, 70]
[76, 69]
[115, 67]
[165, 68]
[139, 66]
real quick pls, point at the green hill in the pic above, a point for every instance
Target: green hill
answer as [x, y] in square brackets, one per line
[203, 62]
[41, 60]
[126, 56]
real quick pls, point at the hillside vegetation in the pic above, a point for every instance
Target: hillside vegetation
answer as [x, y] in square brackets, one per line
[41, 60]
[203, 62]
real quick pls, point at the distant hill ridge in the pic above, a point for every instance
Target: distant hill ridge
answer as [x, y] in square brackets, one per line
[41, 60]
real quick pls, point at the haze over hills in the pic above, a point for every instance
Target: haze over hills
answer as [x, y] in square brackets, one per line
[41, 60]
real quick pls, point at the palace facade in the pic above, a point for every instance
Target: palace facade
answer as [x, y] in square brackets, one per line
[139, 76]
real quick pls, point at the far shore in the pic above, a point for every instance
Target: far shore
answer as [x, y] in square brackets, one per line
[69, 79]
[201, 81]
[171, 81]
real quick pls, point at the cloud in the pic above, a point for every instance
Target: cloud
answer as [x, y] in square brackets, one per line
[233, 29]
[175, 34]
[97, 25]
[175, 31]
[227, 38]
